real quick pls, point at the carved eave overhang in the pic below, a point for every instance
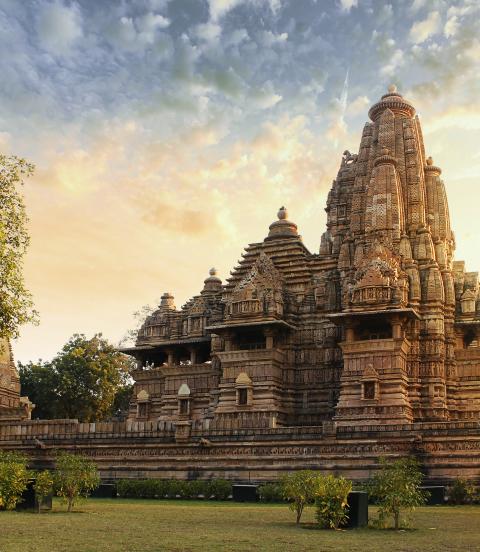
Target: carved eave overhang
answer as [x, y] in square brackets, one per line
[467, 322]
[244, 324]
[171, 342]
[341, 317]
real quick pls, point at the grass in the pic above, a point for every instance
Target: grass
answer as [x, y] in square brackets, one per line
[146, 526]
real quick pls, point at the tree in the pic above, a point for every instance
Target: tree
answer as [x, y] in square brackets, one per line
[75, 476]
[16, 306]
[13, 478]
[82, 381]
[331, 501]
[299, 489]
[39, 382]
[43, 487]
[396, 487]
[139, 317]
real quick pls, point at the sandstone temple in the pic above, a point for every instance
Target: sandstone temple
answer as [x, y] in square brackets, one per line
[328, 360]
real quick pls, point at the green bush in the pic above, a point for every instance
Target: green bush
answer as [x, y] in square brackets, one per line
[75, 476]
[331, 494]
[43, 484]
[196, 488]
[160, 488]
[396, 487]
[461, 491]
[270, 492]
[13, 478]
[218, 489]
[299, 488]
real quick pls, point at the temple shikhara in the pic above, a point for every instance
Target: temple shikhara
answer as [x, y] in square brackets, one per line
[382, 326]
[369, 347]
[12, 405]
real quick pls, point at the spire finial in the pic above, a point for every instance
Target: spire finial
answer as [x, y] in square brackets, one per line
[282, 213]
[429, 161]
[213, 271]
[392, 89]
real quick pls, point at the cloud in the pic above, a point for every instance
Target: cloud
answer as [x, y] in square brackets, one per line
[417, 5]
[265, 97]
[209, 31]
[451, 26]
[59, 27]
[219, 8]
[422, 30]
[358, 106]
[347, 5]
[396, 60]
[136, 33]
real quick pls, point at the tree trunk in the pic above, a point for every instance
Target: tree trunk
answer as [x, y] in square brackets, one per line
[70, 504]
[397, 520]
[299, 514]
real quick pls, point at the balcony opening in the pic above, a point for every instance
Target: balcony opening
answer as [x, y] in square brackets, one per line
[374, 330]
[470, 340]
[250, 341]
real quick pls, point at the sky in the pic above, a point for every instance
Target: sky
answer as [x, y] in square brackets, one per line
[167, 133]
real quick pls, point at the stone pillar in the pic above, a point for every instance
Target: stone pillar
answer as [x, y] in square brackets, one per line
[228, 341]
[171, 357]
[397, 332]
[349, 334]
[269, 338]
[193, 356]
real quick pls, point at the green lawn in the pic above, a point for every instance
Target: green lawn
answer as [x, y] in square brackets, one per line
[143, 526]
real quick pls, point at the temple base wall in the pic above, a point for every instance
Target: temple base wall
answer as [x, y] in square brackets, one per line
[149, 450]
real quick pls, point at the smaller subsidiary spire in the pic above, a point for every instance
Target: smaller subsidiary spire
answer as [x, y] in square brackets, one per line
[213, 283]
[430, 168]
[282, 228]
[167, 302]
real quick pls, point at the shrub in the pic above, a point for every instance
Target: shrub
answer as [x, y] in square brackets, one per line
[299, 488]
[396, 487]
[13, 478]
[219, 489]
[43, 484]
[461, 492]
[76, 476]
[125, 488]
[196, 488]
[174, 488]
[331, 494]
[270, 492]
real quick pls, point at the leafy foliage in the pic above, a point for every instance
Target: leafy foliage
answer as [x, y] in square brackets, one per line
[396, 487]
[13, 478]
[139, 317]
[270, 492]
[75, 476]
[299, 489]
[218, 489]
[16, 303]
[462, 491]
[331, 494]
[43, 484]
[83, 381]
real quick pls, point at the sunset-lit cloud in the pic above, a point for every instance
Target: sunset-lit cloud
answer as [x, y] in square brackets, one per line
[166, 133]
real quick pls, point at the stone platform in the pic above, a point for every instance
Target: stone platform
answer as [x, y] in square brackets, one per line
[148, 449]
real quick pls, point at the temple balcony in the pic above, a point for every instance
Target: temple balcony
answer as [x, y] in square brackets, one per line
[252, 355]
